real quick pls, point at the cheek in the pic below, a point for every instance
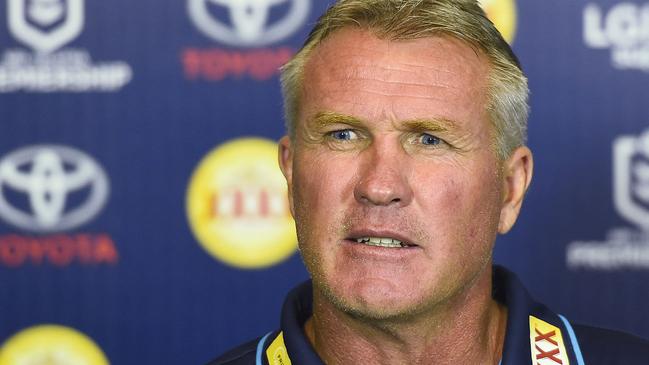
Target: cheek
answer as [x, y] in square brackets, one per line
[321, 185]
[462, 207]
[323, 180]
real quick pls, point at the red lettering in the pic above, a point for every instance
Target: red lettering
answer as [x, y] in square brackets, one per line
[12, 252]
[264, 203]
[105, 250]
[546, 336]
[216, 64]
[191, 63]
[549, 337]
[84, 248]
[60, 250]
[36, 251]
[549, 354]
[238, 204]
[237, 63]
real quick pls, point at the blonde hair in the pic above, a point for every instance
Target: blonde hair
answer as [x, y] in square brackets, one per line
[412, 19]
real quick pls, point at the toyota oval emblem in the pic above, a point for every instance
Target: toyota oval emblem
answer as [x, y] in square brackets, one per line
[249, 20]
[46, 176]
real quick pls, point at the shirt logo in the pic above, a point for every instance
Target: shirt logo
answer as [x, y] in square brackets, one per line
[47, 176]
[29, 22]
[249, 20]
[547, 344]
[277, 353]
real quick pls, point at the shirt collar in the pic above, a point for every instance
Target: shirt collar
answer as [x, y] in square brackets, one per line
[507, 289]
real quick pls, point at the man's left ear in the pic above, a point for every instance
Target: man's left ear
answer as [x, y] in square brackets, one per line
[517, 175]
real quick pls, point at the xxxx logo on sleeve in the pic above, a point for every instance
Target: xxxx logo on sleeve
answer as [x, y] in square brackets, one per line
[547, 344]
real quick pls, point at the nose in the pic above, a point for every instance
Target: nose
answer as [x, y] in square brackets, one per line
[383, 177]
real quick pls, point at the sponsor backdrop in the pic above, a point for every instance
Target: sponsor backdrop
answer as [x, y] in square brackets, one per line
[143, 219]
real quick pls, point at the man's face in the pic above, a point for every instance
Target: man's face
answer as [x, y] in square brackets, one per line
[393, 144]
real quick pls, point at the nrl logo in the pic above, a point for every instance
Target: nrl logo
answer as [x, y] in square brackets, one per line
[248, 20]
[623, 247]
[45, 25]
[631, 178]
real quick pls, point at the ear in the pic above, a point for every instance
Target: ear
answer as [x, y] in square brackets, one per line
[517, 175]
[285, 156]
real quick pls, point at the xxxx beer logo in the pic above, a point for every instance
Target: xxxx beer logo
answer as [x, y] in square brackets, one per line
[51, 345]
[503, 14]
[547, 344]
[237, 205]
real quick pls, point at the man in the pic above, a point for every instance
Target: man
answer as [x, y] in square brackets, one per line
[405, 157]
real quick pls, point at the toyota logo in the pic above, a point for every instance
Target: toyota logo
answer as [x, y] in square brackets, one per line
[47, 176]
[248, 20]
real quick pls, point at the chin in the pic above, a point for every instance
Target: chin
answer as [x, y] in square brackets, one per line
[375, 299]
[382, 310]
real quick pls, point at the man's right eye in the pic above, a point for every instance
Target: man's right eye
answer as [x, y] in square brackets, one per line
[344, 135]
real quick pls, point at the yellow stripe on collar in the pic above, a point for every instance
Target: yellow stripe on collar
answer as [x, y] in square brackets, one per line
[277, 353]
[547, 344]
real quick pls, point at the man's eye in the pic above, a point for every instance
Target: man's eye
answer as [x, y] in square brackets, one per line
[344, 135]
[429, 140]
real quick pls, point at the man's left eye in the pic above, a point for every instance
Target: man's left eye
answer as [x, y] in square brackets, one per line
[429, 140]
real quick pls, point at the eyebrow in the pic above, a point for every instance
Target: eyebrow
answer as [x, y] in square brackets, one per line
[429, 125]
[326, 118]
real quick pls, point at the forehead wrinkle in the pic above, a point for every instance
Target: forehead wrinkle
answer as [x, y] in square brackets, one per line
[394, 74]
[401, 66]
[394, 82]
[401, 95]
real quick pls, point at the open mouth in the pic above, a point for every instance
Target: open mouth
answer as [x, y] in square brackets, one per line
[382, 242]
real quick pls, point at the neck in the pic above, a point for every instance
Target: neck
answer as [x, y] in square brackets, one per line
[466, 329]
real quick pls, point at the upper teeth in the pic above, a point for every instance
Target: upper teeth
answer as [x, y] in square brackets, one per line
[380, 241]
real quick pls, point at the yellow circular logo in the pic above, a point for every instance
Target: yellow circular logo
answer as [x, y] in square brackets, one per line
[51, 345]
[503, 14]
[237, 205]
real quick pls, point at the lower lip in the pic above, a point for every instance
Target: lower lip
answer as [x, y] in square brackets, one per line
[361, 249]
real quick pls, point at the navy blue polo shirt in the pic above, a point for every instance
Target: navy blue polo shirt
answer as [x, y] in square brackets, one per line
[535, 335]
